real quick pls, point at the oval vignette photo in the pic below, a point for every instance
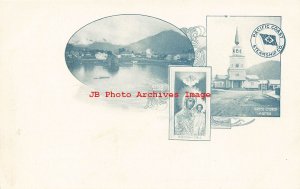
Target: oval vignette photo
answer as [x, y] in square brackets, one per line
[127, 53]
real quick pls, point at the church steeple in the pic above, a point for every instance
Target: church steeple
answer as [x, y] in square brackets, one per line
[236, 40]
[236, 70]
[237, 49]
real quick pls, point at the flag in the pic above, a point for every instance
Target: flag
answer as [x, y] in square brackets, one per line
[268, 39]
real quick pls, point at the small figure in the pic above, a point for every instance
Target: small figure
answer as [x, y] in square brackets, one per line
[184, 119]
[199, 123]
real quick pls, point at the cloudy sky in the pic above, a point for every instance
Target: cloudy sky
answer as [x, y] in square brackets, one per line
[220, 40]
[120, 30]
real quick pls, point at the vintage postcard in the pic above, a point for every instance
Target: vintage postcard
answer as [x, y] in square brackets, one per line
[190, 111]
[117, 94]
[246, 62]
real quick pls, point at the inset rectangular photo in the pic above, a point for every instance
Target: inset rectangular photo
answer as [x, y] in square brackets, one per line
[245, 55]
[190, 111]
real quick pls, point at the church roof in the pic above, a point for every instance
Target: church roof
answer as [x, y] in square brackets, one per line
[263, 81]
[274, 82]
[252, 77]
[221, 77]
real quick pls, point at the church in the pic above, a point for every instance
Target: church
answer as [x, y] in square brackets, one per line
[236, 78]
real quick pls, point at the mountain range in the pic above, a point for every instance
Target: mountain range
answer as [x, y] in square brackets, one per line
[266, 70]
[165, 42]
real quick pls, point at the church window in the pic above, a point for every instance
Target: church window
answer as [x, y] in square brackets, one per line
[237, 65]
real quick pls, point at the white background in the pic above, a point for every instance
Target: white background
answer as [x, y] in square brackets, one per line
[51, 139]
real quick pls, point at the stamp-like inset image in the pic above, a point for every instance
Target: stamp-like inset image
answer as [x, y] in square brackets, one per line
[268, 40]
